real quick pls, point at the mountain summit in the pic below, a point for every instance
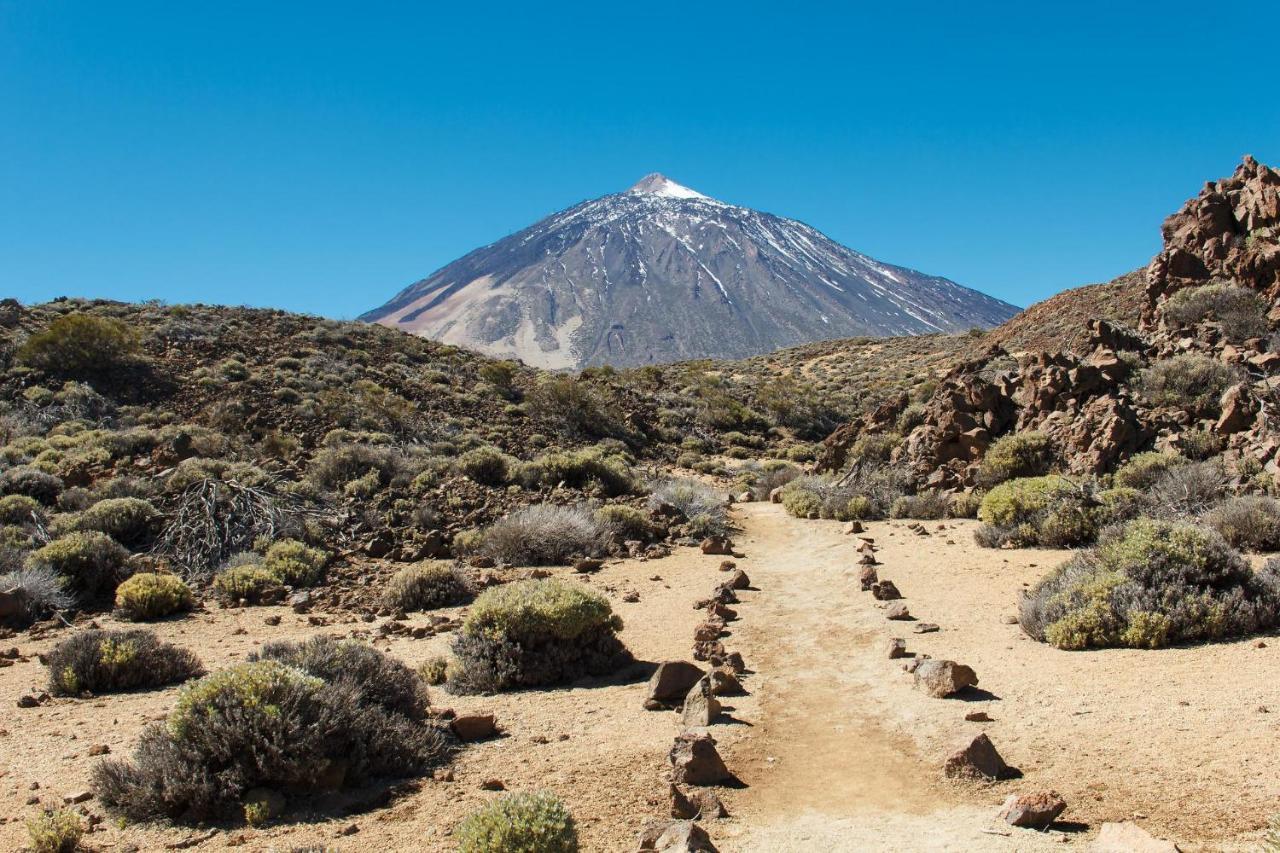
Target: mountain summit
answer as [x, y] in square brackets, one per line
[661, 273]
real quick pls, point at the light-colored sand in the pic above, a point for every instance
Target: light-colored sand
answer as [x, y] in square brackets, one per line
[835, 749]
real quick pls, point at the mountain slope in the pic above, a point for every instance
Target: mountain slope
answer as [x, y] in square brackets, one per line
[660, 273]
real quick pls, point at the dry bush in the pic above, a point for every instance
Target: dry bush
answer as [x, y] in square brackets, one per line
[536, 632]
[925, 505]
[32, 482]
[1241, 312]
[705, 511]
[425, 586]
[1250, 522]
[1189, 381]
[111, 661]
[88, 562]
[37, 592]
[1186, 491]
[544, 534]
[1152, 584]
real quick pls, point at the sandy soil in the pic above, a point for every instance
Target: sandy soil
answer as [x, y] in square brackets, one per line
[834, 748]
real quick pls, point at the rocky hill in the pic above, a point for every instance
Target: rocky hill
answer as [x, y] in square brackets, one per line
[661, 273]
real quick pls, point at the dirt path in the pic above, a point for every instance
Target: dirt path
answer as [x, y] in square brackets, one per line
[821, 771]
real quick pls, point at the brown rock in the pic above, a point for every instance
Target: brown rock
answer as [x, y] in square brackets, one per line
[684, 837]
[1032, 811]
[738, 580]
[473, 727]
[707, 650]
[896, 647]
[701, 708]
[671, 682]
[897, 611]
[681, 807]
[695, 761]
[493, 785]
[1128, 837]
[854, 527]
[708, 631]
[942, 678]
[977, 760]
[885, 591]
[728, 566]
[707, 805]
[586, 565]
[717, 545]
[724, 682]
[99, 749]
[77, 797]
[867, 578]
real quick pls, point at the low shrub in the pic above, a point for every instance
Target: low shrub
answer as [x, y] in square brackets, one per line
[334, 466]
[875, 447]
[1023, 454]
[20, 510]
[626, 523]
[1188, 381]
[129, 521]
[249, 583]
[925, 505]
[966, 504]
[1142, 470]
[542, 535]
[1050, 511]
[88, 562]
[704, 511]
[425, 586]
[294, 564]
[1152, 584]
[1241, 312]
[55, 831]
[32, 482]
[80, 345]
[866, 491]
[1250, 522]
[524, 822]
[1186, 491]
[589, 469]
[488, 466]
[536, 632]
[37, 590]
[264, 723]
[434, 670]
[148, 595]
[111, 661]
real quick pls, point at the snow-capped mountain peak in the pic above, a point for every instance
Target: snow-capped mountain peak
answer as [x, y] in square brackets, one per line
[656, 183]
[661, 272]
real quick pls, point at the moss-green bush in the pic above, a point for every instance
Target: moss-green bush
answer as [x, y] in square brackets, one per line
[110, 661]
[486, 465]
[1142, 470]
[586, 469]
[295, 564]
[1023, 454]
[536, 632]
[523, 822]
[1189, 381]
[1052, 511]
[55, 831]
[20, 510]
[249, 583]
[424, 586]
[89, 562]
[1240, 312]
[32, 482]
[626, 522]
[80, 345]
[129, 521]
[1151, 584]
[148, 595]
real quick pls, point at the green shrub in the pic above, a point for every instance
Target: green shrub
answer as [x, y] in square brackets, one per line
[536, 632]
[424, 586]
[1023, 454]
[32, 482]
[1241, 312]
[585, 469]
[251, 584]
[20, 510]
[571, 408]
[110, 661]
[1144, 469]
[147, 595]
[1189, 381]
[1050, 511]
[875, 447]
[294, 564]
[966, 504]
[801, 501]
[55, 831]
[925, 505]
[265, 724]
[335, 466]
[80, 345]
[543, 535]
[488, 466]
[1118, 504]
[129, 521]
[626, 522]
[434, 670]
[1249, 522]
[1152, 584]
[520, 823]
[88, 562]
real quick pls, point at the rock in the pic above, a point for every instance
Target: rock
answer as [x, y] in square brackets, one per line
[775, 495]
[705, 650]
[684, 836]
[738, 580]
[734, 661]
[977, 760]
[942, 678]
[672, 681]
[867, 578]
[301, 602]
[77, 797]
[724, 682]
[707, 631]
[896, 647]
[695, 761]
[924, 628]
[717, 545]
[708, 805]
[1128, 837]
[728, 565]
[681, 807]
[631, 596]
[853, 527]
[701, 708]
[99, 749]
[12, 603]
[272, 620]
[26, 700]
[268, 801]
[885, 591]
[1032, 811]
[897, 611]
[493, 785]
[473, 727]
[977, 717]
[745, 497]
[724, 614]
[868, 560]
[587, 565]
[479, 562]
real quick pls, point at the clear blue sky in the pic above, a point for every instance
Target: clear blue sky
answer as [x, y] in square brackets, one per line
[319, 156]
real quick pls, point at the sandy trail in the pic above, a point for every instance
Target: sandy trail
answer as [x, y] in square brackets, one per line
[821, 771]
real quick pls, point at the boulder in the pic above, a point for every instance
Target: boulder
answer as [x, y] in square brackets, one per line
[671, 682]
[473, 727]
[706, 650]
[679, 836]
[724, 682]
[896, 647]
[977, 759]
[897, 611]
[717, 545]
[867, 578]
[738, 580]
[587, 565]
[695, 761]
[1033, 811]
[707, 805]
[1128, 837]
[885, 591]
[942, 678]
[709, 630]
[701, 708]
